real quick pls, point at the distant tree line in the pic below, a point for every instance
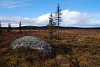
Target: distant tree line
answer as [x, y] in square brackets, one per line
[9, 28]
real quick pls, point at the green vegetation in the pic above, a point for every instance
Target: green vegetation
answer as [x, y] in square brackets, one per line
[51, 30]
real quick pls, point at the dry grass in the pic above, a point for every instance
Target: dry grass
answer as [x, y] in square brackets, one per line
[76, 48]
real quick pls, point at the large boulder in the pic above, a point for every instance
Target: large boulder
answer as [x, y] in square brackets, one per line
[32, 43]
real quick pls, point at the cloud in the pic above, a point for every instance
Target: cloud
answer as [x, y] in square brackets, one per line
[13, 3]
[89, 23]
[69, 18]
[39, 21]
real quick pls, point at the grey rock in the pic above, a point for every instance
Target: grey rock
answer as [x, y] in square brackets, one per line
[32, 43]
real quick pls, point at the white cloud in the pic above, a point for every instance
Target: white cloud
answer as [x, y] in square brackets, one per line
[39, 21]
[42, 20]
[13, 3]
[69, 18]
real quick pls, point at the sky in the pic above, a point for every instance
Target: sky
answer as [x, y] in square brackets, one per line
[75, 13]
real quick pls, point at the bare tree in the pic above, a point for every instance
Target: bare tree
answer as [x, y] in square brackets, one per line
[58, 18]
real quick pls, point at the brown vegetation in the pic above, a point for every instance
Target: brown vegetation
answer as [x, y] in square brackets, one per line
[76, 48]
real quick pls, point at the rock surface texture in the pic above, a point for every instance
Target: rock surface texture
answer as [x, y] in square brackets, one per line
[32, 43]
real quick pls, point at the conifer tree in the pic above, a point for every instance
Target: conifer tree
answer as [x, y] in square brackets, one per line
[51, 29]
[0, 28]
[20, 27]
[9, 27]
[58, 18]
[0, 23]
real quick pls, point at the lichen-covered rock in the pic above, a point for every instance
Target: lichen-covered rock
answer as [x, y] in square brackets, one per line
[32, 43]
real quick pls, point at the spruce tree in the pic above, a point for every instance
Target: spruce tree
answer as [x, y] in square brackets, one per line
[0, 28]
[20, 27]
[0, 23]
[51, 29]
[9, 27]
